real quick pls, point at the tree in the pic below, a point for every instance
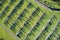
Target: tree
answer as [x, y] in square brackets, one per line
[56, 0]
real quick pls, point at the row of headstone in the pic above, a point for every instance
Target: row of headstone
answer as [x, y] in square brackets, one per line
[12, 27]
[22, 14]
[30, 5]
[4, 12]
[36, 11]
[54, 31]
[12, 1]
[2, 2]
[34, 29]
[9, 17]
[45, 29]
[21, 31]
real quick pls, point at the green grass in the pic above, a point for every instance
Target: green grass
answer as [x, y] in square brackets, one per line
[4, 35]
[27, 20]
